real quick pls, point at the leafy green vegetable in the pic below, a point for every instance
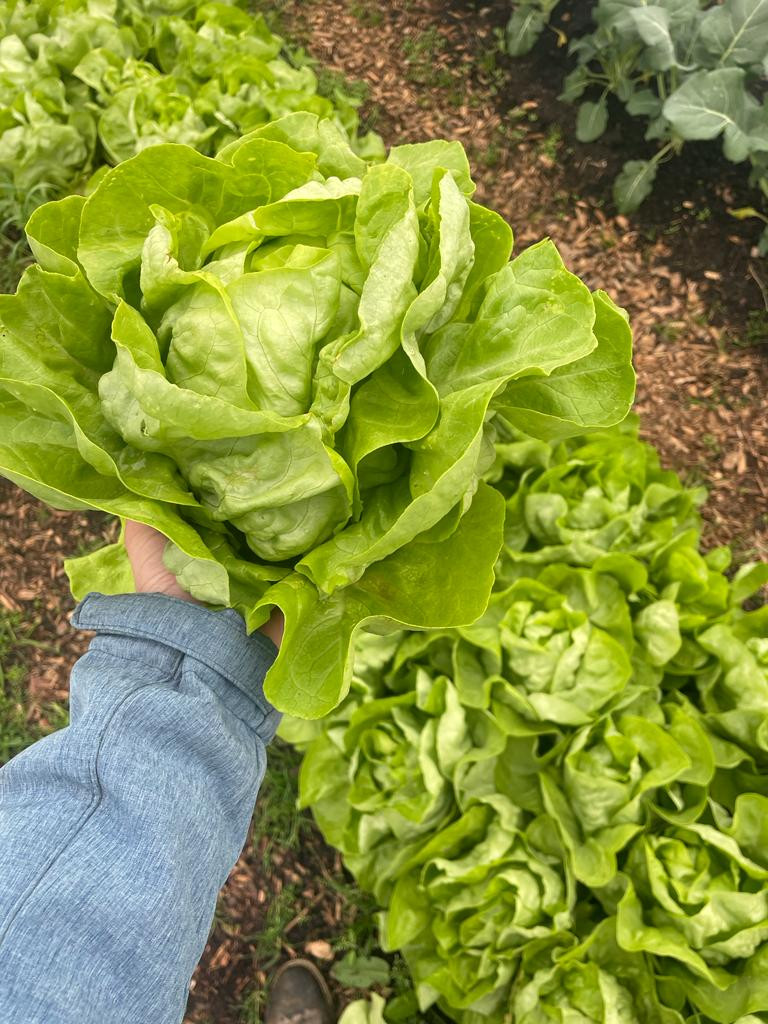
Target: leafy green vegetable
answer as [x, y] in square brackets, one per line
[529, 18]
[562, 643]
[561, 807]
[364, 1011]
[692, 69]
[737, 675]
[600, 793]
[697, 895]
[591, 980]
[84, 82]
[472, 900]
[291, 363]
[391, 759]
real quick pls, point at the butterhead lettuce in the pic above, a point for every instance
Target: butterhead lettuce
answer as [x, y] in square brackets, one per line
[84, 83]
[291, 363]
[561, 808]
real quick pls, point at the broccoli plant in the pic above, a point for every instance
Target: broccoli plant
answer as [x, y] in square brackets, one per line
[693, 72]
[693, 69]
[529, 19]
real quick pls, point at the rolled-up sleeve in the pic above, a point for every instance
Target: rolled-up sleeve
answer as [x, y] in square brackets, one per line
[117, 832]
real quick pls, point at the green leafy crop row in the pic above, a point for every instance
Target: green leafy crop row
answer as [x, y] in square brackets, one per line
[89, 82]
[562, 808]
[694, 70]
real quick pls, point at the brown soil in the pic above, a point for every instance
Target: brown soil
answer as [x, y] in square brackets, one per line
[686, 277]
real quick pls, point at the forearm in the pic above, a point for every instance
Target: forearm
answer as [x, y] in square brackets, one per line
[117, 832]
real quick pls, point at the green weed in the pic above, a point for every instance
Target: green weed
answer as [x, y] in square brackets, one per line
[420, 53]
[424, 46]
[330, 83]
[674, 227]
[15, 257]
[267, 943]
[16, 733]
[493, 76]
[359, 932]
[755, 331]
[278, 820]
[17, 205]
[18, 727]
[367, 14]
[252, 1007]
[550, 144]
[491, 156]
[514, 127]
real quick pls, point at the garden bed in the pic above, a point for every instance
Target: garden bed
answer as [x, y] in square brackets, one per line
[681, 266]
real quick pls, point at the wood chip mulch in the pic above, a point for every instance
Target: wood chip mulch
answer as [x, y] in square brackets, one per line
[34, 540]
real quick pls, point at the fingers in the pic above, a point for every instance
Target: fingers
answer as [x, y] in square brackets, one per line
[145, 547]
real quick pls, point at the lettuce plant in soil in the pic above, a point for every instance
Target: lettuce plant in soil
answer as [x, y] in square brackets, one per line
[561, 808]
[292, 363]
[472, 900]
[89, 82]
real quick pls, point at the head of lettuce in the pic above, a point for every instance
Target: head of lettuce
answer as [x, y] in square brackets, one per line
[290, 362]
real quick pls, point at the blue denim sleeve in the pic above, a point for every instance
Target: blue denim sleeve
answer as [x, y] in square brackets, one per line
[117, 832]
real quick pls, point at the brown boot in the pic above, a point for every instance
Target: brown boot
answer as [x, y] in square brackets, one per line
[299, 995]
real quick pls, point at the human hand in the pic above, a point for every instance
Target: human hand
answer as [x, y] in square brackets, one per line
[145, 547]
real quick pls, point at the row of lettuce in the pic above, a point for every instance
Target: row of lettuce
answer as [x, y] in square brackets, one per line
[86, 83]
[691, 70]
[563, 808]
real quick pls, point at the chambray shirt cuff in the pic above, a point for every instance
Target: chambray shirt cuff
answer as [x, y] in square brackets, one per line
[216, 639]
